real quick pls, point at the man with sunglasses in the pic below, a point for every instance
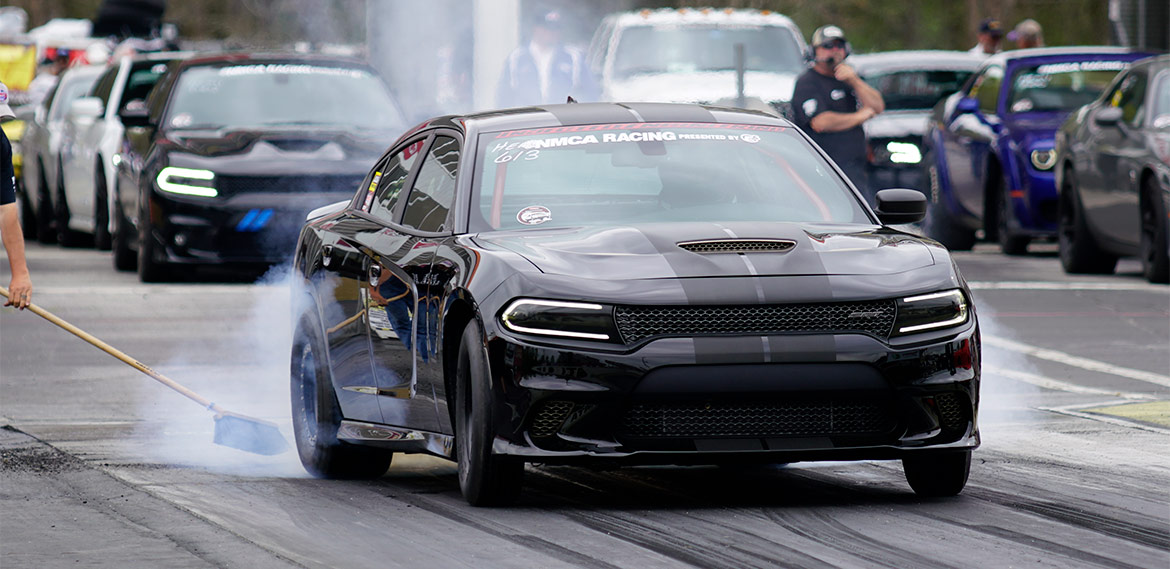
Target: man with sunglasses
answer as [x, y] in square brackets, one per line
[830, 102]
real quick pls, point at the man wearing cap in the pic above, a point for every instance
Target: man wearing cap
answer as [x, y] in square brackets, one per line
[1027, 33]
[830, 103]
[544, 71]
[990, 35]
[20, 287]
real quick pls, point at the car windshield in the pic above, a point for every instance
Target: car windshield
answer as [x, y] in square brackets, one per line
[653, 49]
[655, 172]
[1060, 86]
[278, 94]
[916, 89]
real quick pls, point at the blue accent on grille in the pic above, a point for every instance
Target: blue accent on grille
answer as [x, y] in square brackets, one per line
[254, 220]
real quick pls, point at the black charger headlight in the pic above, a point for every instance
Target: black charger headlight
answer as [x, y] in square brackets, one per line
[934, 311]
[561, 319]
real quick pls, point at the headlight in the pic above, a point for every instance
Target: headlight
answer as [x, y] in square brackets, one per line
[1043, 159]
[581, 320]
[930, 312]
[904, 152]
[187, 181]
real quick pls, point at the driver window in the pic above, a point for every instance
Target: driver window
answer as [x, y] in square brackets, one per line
[434, 189]
[389, 181]
[987, 89]
[1130, 99]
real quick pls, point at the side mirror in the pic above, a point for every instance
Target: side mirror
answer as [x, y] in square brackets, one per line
[1107, 116]
[899, 205]
[85, 107]
[135, 114]
[967, 105]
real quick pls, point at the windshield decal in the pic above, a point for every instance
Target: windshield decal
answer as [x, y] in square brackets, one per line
[534, 215]
[635, 127]
[1074, 66]
[285, 68]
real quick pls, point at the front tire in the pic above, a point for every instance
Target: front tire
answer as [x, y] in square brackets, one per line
[1009, 243]
[44, 213]
[101, 211]
[150, 268]
[1155, 245]
[28, 218]
[65, 236]
[485, 478]
[124, 256]
[1079, 253]
[939, 474]
[317, 415]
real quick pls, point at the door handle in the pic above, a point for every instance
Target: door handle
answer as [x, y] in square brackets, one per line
[326, 255]
[375, 274]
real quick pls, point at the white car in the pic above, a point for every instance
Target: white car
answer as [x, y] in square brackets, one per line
[687, 55]
[41, 146]
[92, 140]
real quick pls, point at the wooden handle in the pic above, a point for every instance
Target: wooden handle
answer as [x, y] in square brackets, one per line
[118, 354]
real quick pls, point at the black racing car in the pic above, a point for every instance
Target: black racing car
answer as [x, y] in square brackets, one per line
[1113, 173]
[911, 82]
[230, 152]
[631, 283]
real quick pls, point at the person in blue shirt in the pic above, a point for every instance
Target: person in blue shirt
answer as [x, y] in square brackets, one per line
[20, 287]
[544, 70]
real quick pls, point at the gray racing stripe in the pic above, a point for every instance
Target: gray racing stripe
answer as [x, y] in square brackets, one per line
[582, 114]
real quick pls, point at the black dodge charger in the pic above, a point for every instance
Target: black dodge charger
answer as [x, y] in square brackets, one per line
[629, 284]
[223, 160]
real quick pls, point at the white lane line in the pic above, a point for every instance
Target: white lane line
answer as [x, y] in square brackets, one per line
[1077, 361]
[1058, 385]
[1074, 411]
[1049, 285]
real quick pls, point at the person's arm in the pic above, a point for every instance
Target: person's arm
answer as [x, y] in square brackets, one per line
[866, 95]
[20, 288]
[832, 121]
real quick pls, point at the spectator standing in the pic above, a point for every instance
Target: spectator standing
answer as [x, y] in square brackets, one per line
[831, 102]
[990, 37]
[1027, 33]
[545, 71]
[20, 287]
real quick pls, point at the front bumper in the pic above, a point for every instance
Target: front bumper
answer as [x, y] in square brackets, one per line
[704, 400]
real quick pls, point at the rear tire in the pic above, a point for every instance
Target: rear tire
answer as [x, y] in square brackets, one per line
[317, 415]
[485, 478]
[101, 211]
[1155, 246]
[938, 474]
[1079, 253]
[65, 236]
[941, 227]
[44, 209]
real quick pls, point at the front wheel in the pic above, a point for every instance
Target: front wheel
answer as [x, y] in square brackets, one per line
[1079, 252]
[65, 236]
[317, 416]
[124, 256]
[1009, 243]
[486, 479]
[150, 268]
[44, 209]
[101, 211]
[1155, 245]
[938, 474]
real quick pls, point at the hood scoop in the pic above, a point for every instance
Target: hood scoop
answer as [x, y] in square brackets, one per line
[297, 145]
[738, 246]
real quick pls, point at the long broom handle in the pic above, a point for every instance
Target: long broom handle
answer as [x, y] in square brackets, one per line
[119, 354]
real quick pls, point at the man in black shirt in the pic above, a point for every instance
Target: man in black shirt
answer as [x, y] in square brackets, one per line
[830, 102]
[20, 288]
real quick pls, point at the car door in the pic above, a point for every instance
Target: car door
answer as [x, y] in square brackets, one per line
[403, 300]
[967, 140]
[1115, 210]
[78, 165]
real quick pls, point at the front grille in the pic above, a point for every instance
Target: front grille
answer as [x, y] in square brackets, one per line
[234, 185]
[757, 419]
[951, 413]
[868, 317]
[550, 418]
[738, 246]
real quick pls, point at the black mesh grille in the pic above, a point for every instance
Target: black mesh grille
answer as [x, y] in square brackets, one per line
[738, 246]
[951, 413]
[640, 322]
[233, 185]
[757, 419]
[550, 418]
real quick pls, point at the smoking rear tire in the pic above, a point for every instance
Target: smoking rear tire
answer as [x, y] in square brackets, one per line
[317, 416]
[485, 478]
[1155, 243]
[101, 212]
[940, 474]
[1079, 252]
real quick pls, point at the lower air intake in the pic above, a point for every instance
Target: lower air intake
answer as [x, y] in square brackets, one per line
[757, 419]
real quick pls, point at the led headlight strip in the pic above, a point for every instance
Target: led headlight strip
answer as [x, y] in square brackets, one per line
[557, 318]
[167, 184]
[931, 311]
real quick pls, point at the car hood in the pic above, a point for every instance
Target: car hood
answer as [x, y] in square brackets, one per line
[651, 251]
[701, 87]
[288, 150]
[898, 124]
[1034, 127]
